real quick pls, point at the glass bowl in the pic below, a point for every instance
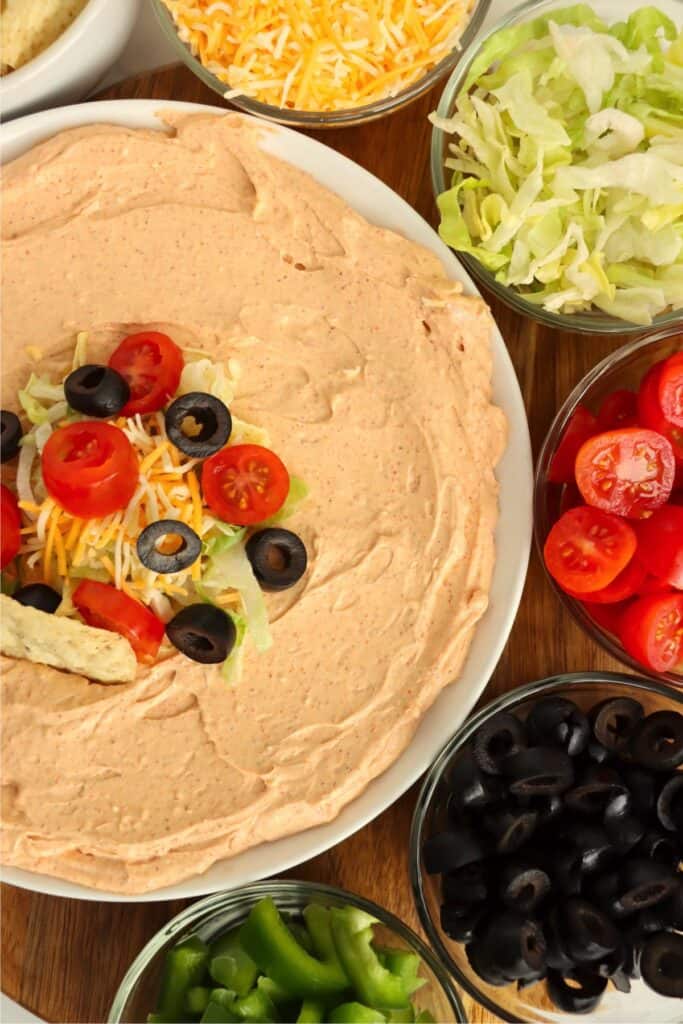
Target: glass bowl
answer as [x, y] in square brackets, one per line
[530, 1005]
[595, 322]
[137, 993]
[331, 118]
[624, 368]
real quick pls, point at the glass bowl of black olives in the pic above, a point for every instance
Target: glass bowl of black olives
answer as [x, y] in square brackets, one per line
[547, 851]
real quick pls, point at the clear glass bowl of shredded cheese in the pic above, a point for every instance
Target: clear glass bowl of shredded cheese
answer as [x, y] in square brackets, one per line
[320, 63]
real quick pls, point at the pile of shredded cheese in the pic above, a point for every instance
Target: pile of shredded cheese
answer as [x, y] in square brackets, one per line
[319, 55]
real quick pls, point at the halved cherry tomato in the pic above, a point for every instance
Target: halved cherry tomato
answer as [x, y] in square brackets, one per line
[660, 544]
[581, 426]
[90, 468]
[105, 607]
[650, 412]
[607, 616]
[623, 586]
[10, 525]
[152, 365]
[654, 585]
[244, 484]
[628, 472]
[587, 549]
[651, 631]
[620, 409]
[671, 389]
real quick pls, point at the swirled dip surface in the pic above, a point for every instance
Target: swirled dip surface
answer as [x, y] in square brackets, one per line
[373, 377]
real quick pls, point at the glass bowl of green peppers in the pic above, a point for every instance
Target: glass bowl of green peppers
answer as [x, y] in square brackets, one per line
[279, 951]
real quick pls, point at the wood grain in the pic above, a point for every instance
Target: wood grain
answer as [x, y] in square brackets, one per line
[63, 959]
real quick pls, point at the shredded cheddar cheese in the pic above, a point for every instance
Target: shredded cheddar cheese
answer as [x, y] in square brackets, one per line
[319, 55]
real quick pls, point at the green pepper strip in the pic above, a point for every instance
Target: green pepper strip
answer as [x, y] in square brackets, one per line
[375, 985]
[272, 946]
[319, 924]
[184, 968]
[220, 1009]
[355, 1013]
[311, 1012]
[405, 965]
[197, 999]
[231, 966]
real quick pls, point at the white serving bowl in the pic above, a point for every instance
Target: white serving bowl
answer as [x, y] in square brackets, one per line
[375, 201]
[68, 69]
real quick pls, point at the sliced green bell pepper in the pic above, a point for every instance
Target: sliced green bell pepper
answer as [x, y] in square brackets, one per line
[256, 1007]
[301, 935]
[406, 1016]
[311, 1012]
[319, 925]
[271, 944]
[197, 999]
[374, 984]
[230, 965]
[355, 1013]
[184, 968]
[220, 1008]
[405, 965]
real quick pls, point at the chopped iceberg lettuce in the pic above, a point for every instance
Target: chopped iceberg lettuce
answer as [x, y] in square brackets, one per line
[231, 570]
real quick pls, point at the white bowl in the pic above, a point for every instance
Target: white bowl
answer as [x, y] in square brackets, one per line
[74, 63]
[375, 201]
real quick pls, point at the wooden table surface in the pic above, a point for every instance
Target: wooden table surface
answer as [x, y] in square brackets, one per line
[63, 959]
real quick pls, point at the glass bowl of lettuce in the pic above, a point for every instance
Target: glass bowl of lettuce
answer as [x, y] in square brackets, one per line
[557, 163]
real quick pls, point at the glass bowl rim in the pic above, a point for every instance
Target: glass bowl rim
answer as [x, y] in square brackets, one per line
[541, 526]
[333, 118]
[594, 323]
[503, 702]
[278, 888]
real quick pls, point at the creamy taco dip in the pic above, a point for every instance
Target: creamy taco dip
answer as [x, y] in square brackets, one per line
[367, 373]
[27, 27]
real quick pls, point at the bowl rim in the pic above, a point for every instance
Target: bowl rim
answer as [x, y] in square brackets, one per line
[541, 524]
[587, 322]
[503, 702]
[333, 118]
[44, 61]
[277, 888]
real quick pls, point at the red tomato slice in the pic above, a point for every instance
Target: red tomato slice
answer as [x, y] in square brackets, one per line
[652, 631]
[654, 585]
[660, 544]
[152, 365]
[628, 472]
[587, 549]
[650, 411]
[10, 525]
[105, 607]
[623, 586]
[620, 409]
[244, 484]
[607, 616]
[90, 468]
[670, 389]
[581, 426]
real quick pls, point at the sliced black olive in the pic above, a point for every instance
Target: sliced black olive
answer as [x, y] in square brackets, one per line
[514, 945]
[510, 827]
[198, 424]
[598, 786]
[203, 633]
[615, 721]
[581, 996]
[530, 979]
[482, 965]
[624, 828]
[588, 932]
[567, 870]
[593, 843]
[557, 956]
[661, 963]
[168, 545]
[461, 924]
[659, 847]
[643, 883]
[596, 752]
[603, 890]
[10, 435]
[555, 721]
[670, 805]
[672, 909]
[40, 596]
[612, 967]
[651, 920]
[496, 740]
[278, 558]
[96, 391]
[466, 885]
[539, 770]
[471, 787]
[658, 741]
[641, 786]
[523, 887]
[547, 807]
[448, 851]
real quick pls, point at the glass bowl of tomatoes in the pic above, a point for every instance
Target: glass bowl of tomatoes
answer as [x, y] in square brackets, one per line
[609, 504]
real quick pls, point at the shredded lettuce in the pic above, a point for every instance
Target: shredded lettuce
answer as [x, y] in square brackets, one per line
[223, 540]
[209, 377]
[231, 670]
[567, 161]
[80, 350]
[298, 491]
[231, 570]
[38, 391]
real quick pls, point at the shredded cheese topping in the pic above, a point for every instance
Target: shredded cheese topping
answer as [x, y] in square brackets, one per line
[319, 55]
